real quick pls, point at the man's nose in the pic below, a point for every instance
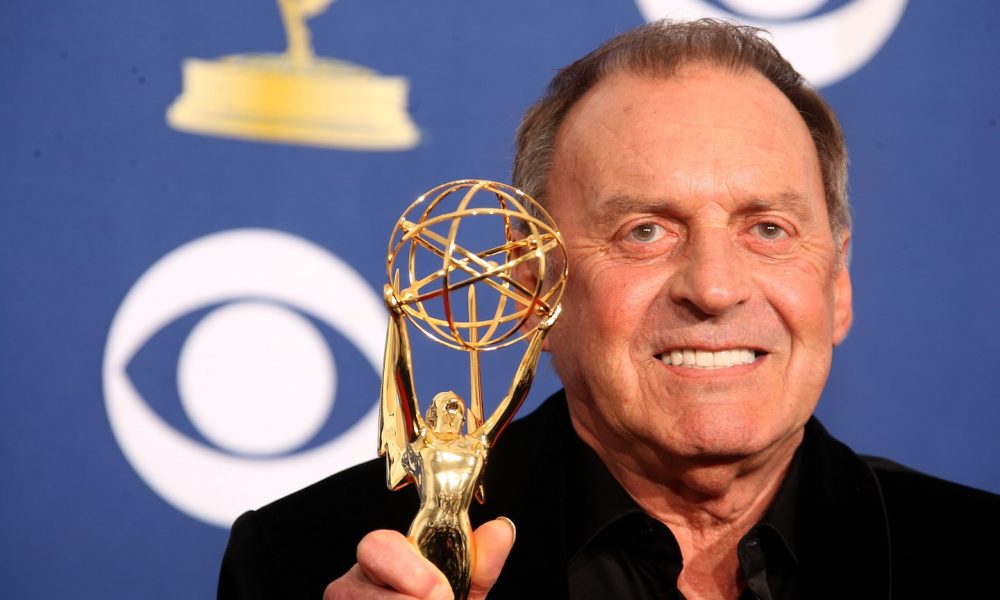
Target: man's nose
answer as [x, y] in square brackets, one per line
[711, 276]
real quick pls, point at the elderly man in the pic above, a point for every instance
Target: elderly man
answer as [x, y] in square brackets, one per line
[700, 186]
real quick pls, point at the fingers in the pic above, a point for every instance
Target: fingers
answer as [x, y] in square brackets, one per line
[494, 541]
[390, 567]
[389, 559]
[354, 585]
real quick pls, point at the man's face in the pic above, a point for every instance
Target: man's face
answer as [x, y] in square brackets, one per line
[704, 295]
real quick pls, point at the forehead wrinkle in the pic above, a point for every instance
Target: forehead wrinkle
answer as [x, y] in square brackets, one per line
[623, 146]
[611, 121]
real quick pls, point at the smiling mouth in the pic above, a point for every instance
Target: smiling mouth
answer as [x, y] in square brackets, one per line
[706, 359]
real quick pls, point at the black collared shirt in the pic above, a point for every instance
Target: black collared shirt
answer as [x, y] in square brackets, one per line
[616, 550]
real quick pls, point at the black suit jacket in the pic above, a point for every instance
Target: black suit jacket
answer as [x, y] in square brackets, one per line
[865, 528]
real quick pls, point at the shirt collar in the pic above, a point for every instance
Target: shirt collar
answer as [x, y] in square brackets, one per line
[596, 500]
[781, 516]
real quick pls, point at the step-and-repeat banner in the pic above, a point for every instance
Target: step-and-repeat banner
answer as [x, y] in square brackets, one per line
[195, 199]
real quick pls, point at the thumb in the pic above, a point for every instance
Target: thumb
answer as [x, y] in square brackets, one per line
[494, 541]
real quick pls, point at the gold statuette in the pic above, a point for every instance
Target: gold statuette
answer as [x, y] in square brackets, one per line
[504, 289]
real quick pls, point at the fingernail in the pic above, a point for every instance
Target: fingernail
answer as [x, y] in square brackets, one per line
[513, 528]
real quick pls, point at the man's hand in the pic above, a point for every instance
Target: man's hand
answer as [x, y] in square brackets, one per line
[390, 567]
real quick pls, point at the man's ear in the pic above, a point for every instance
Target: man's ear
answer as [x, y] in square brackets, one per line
[843, 307]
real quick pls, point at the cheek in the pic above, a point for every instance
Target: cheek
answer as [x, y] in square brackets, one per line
[604, 309]
[804, 302]
[612, 301]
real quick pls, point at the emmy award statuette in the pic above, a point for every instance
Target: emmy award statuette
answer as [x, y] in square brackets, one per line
[470, 299]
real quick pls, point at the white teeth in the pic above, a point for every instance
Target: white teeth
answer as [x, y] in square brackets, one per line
[705, 359]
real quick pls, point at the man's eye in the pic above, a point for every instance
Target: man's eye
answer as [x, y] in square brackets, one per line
[770, 231]
[647, 232]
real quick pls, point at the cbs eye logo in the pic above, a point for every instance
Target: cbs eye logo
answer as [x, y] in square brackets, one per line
[825, 46]
[255, 377]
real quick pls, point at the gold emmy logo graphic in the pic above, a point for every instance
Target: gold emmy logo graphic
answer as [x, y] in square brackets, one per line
[295, 97]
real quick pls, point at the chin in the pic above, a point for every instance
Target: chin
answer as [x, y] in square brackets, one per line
[725, 436]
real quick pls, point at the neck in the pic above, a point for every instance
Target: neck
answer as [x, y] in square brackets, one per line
[709, 503]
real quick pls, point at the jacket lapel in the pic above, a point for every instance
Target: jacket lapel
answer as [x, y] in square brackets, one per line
[843, 532]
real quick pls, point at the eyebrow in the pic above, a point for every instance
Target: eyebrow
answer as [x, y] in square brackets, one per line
[787, 200]
[616, 206]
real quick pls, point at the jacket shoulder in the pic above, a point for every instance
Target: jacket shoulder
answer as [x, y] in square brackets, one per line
[342, 507]
[933, 502]
[943, 535]
[295, 546]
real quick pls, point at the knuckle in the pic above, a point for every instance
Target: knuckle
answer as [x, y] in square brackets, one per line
[346, 586]
[335, 591]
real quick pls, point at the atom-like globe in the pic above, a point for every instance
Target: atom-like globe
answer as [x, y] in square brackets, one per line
[471, 262]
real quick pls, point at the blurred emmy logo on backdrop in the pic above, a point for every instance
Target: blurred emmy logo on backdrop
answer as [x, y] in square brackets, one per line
[295, 97]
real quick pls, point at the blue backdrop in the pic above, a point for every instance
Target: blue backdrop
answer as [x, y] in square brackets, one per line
[155, 282]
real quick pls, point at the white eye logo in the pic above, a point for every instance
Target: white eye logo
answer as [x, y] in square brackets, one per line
[254, 376]
[825, 48]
